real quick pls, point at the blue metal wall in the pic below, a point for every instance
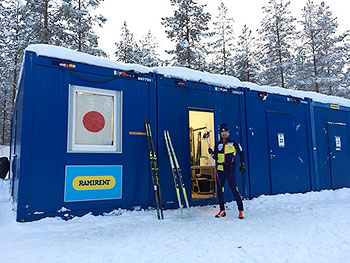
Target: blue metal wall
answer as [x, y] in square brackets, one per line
[331, 162]
[278, 168]
[174, 103]
[41, 132]
[16, 138]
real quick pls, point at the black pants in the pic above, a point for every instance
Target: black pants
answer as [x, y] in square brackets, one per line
[229, 173]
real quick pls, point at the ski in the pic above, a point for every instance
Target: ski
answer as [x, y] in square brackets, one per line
[154, 170]
[178, 169]
[173, 170]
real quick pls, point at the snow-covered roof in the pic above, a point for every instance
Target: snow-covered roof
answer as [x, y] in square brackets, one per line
[179, 73]
[43, 50]
[228, 81]
[198, 76]
[298, 94]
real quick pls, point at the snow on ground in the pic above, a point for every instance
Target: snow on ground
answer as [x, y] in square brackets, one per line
[311, 227]
[4, 151]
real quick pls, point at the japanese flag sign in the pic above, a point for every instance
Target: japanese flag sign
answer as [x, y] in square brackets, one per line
[94, 119]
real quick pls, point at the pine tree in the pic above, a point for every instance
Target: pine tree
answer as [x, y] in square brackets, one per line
[222, 47]
[12, 44]
[6, 108]
[188, 28]
[25, 22]
[15, 40]
[127, 50]
[78, 22]
[277, 34]
[43, 21]
[323, 56]
[301, 76]
[3, 87]
[245, 60]
[346, 70]
[148, 55]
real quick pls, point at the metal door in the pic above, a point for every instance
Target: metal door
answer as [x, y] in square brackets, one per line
[283, 153]
[338, 154]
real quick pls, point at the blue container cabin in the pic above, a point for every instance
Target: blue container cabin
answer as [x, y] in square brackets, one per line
[187, 109]
[60, 169]
[279, 148]
[78, 136]
[331, 128]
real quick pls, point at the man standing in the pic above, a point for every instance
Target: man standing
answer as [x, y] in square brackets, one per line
[224, 152]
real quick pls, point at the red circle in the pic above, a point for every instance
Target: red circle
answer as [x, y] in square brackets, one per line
[94, 121]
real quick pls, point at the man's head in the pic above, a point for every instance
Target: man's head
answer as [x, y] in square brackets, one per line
[224, 131]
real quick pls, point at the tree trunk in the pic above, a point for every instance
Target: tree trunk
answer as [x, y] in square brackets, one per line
[79, 33]
[280, 57]
[224, 55]
[14, 82]
[314, 60]
[46, 22]
[188, 55]
[248, 73]
[315, 68]
[330, 90]
[4, 119]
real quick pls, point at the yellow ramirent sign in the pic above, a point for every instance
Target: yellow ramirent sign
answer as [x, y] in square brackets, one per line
[84, 183]
[335, 107]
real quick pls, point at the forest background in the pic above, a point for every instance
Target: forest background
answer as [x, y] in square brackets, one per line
[305, 52]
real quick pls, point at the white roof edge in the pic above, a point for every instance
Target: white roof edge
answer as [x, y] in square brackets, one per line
[179, 73]
[44, 50]
[317, 97]
[198, 76]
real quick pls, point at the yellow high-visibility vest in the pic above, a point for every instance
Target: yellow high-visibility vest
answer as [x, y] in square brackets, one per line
[229, 149]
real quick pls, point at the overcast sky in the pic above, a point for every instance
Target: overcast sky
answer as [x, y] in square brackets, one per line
[144, 15]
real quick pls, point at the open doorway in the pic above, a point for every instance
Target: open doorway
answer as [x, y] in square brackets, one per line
[202, 164]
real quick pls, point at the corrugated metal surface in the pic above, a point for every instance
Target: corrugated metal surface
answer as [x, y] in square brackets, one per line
[174, 103]
[43, 140]
[279, 148]
[331, 136]
[291, 144]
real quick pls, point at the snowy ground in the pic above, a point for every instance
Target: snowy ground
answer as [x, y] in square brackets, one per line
[4, 151]
[312, 227]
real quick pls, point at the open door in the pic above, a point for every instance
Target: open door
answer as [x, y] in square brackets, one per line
[202, 164]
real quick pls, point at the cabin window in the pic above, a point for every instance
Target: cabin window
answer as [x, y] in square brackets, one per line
[94, 120]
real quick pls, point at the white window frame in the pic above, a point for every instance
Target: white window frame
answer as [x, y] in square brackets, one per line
[72, 147]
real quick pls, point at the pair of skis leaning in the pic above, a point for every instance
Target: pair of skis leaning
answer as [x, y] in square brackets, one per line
[154, 169]
[176, 171]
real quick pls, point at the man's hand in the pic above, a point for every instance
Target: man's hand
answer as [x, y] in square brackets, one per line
[242, 168]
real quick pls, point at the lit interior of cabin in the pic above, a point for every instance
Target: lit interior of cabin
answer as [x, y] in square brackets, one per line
[202, 164]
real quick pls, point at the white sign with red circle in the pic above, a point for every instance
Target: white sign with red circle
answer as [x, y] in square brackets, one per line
[94, 119]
